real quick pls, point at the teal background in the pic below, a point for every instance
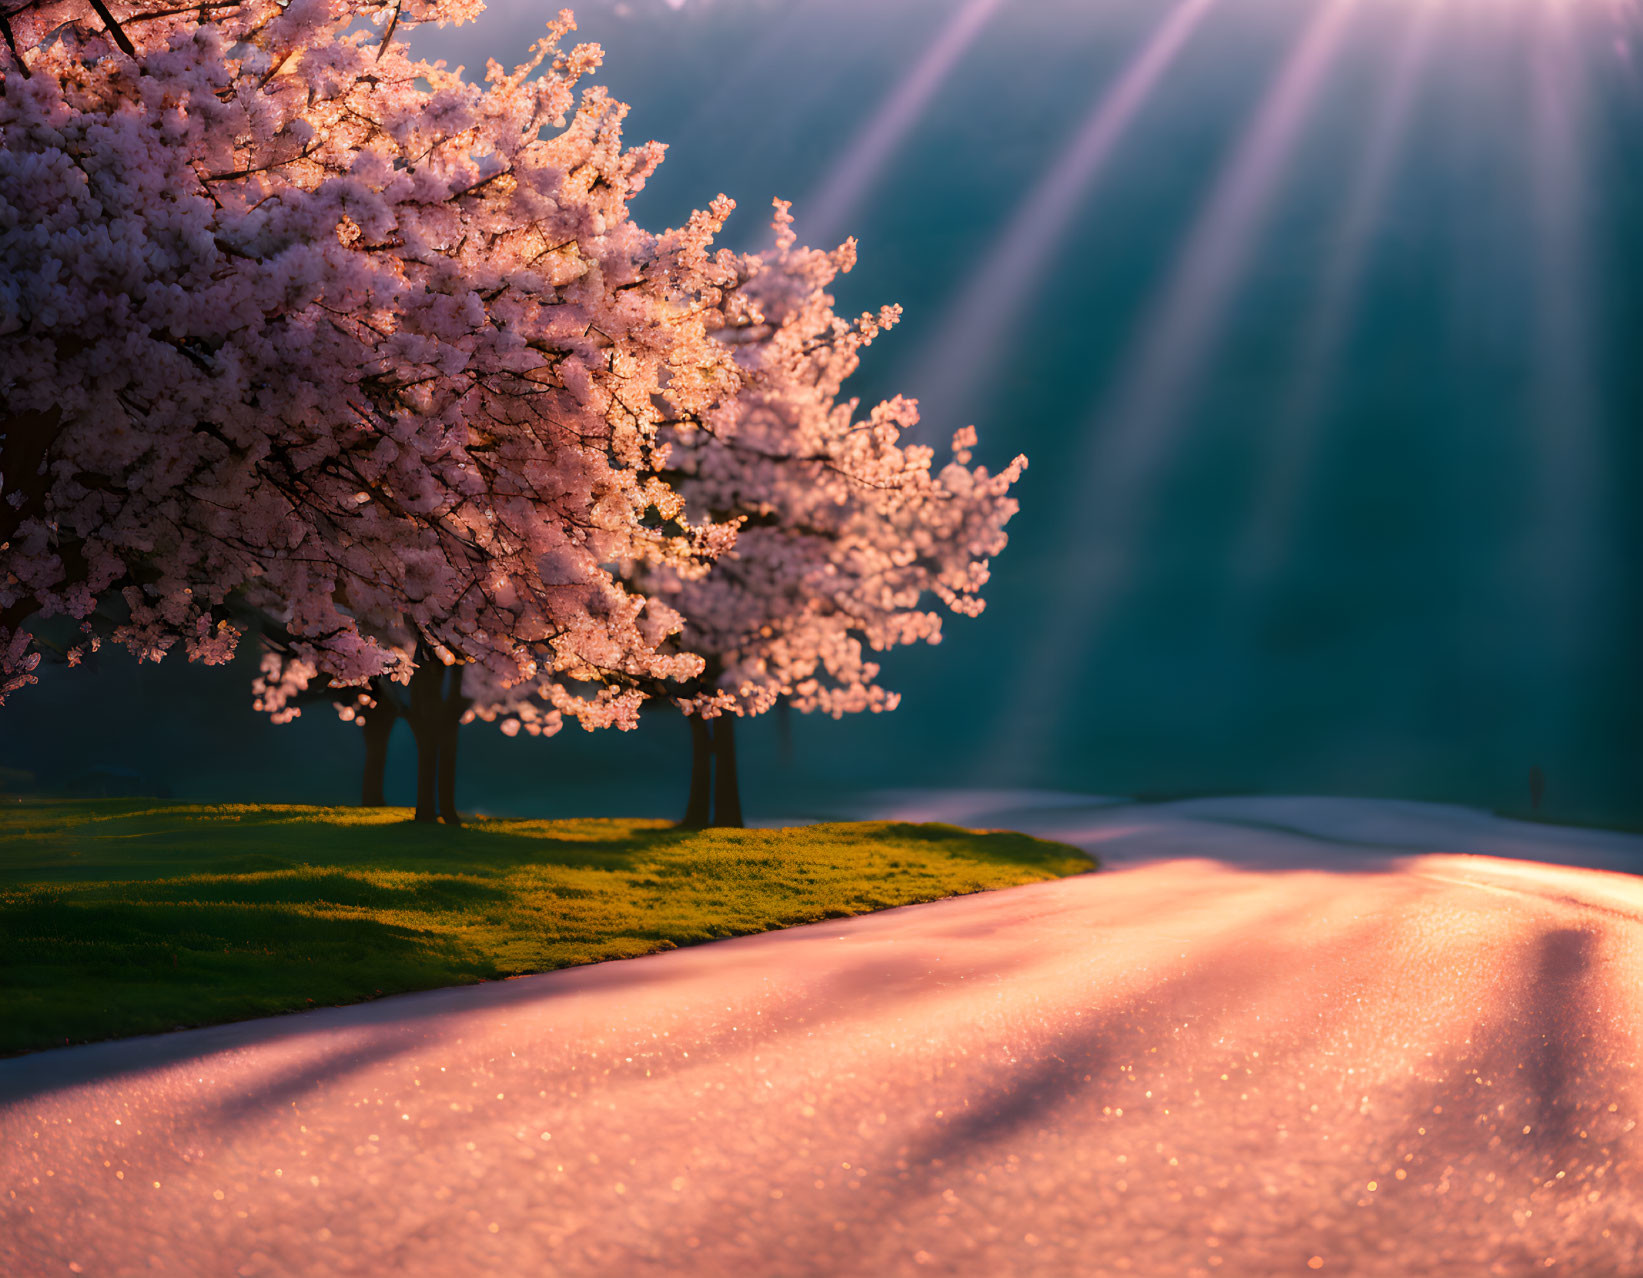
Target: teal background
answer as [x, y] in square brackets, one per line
[1432, 630]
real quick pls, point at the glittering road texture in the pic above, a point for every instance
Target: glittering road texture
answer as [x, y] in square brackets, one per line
[1277, 1037]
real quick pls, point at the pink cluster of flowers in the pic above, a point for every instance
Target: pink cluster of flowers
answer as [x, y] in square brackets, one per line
[293, 320]
[295, 324]
[848, 533]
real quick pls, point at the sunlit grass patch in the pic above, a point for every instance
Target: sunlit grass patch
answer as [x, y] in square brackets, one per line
[128, 916]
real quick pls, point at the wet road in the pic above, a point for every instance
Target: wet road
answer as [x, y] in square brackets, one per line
[1278, 1037]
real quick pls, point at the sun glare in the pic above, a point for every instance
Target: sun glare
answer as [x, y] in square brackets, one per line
[1133, 433]
[1259, 552]
[825, 216]
[963, 356]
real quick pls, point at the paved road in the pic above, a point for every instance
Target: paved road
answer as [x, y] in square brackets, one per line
[1279, 1037]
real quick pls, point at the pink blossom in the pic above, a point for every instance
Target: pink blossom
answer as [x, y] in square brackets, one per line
[848, 538]
[290, 319]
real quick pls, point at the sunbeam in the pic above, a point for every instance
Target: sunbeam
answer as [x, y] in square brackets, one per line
[1135, 432]
[826, 215]
[1565, 441]
[964, 354]
[1258, 554]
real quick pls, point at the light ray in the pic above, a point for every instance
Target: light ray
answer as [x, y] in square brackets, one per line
[826, 216]
[1136, 431]
[1559, 529]
[1259, 553]
[964, 354]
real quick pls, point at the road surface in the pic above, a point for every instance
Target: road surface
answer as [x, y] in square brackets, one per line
[1276, 1037]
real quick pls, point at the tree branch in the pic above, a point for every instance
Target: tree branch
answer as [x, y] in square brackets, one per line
[11, 43]
[114, 29]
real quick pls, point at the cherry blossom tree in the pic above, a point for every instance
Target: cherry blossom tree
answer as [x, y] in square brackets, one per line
[850, 537]
[290, 320]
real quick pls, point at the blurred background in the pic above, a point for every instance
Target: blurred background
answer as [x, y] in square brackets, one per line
[1320, 320]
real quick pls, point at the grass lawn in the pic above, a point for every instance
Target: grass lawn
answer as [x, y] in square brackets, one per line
[125, 916]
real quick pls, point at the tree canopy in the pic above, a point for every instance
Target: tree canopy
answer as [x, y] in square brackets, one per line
[291, 317]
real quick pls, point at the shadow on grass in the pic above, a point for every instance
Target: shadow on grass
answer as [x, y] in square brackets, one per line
[1002, 847]
[131, 840]
[319, 889]
[392, 1026]
[123, 918]
[74, 969]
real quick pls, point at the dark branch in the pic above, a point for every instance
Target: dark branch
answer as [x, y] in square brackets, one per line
[11, 43]
[114, 29]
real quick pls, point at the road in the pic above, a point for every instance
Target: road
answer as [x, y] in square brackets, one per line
[1274, 1037]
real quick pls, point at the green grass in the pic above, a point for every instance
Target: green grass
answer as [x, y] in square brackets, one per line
[124, 916]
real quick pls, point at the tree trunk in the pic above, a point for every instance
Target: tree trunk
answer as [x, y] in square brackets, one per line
[379, 727]
[698, 809]
[454, 706]
[423, 712]
[727, 795]
[427, 773]
[447, 773]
